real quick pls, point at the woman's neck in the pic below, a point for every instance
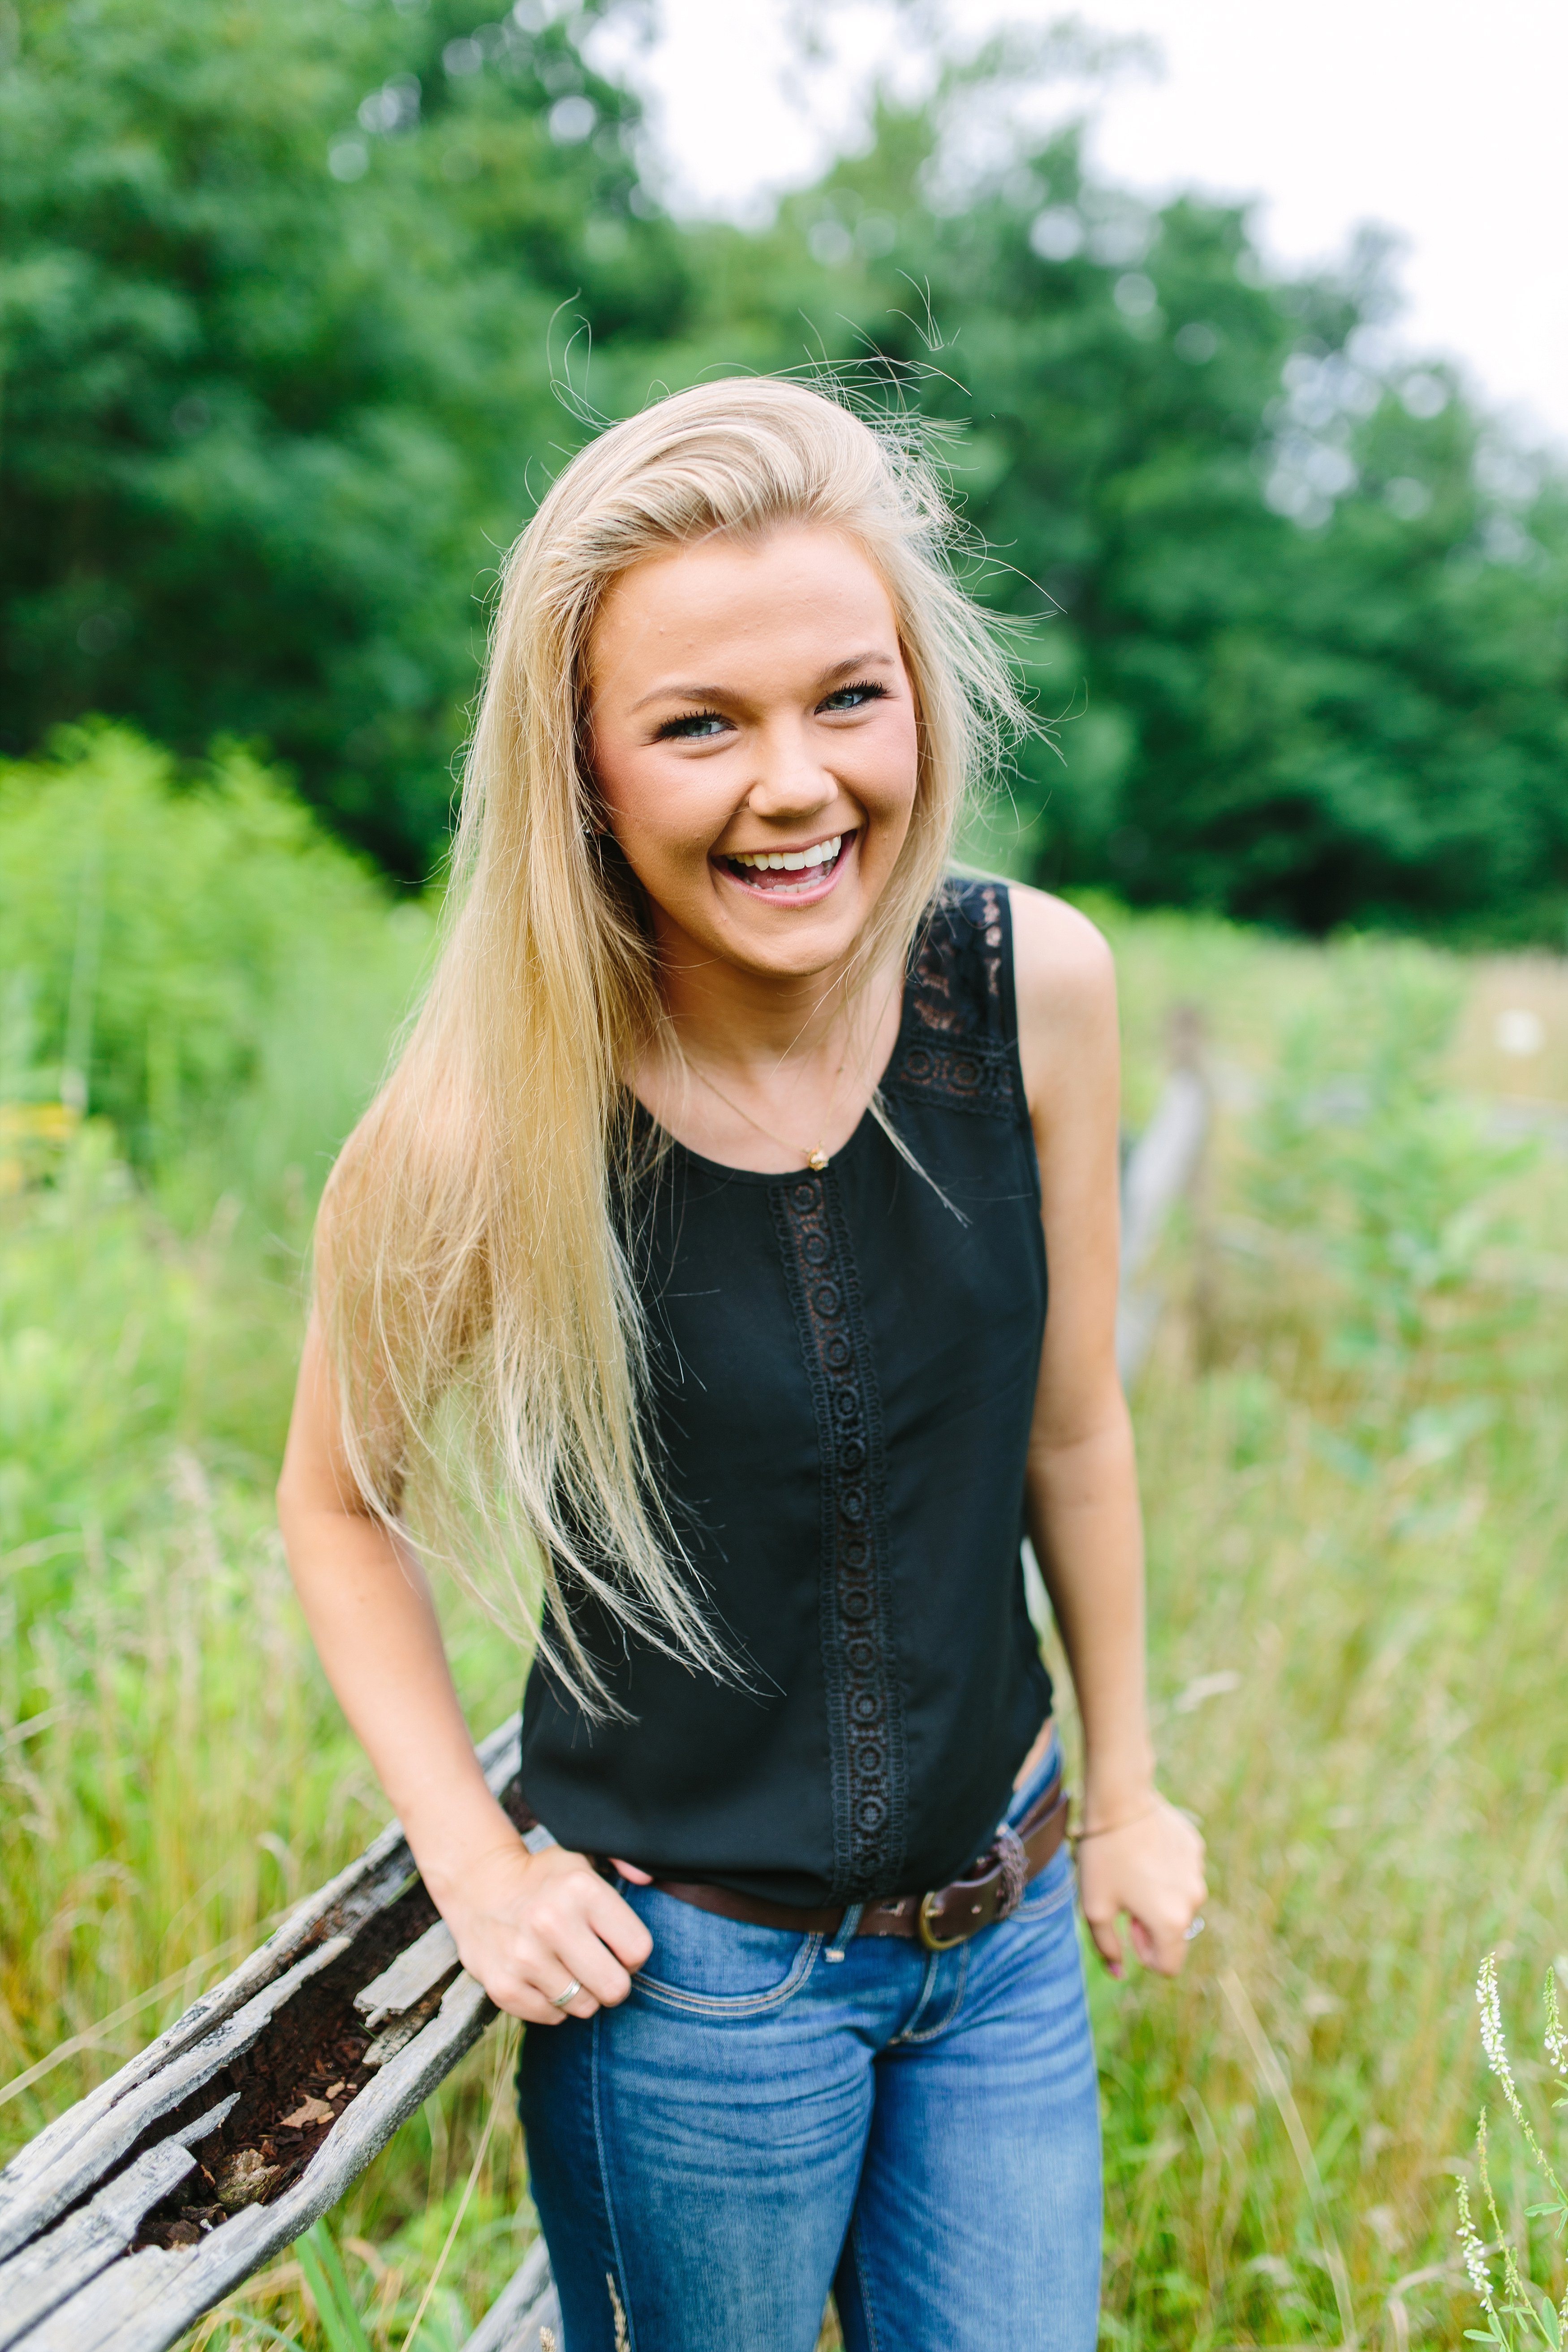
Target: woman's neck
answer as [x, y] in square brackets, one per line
[757, 1020]
[743, 1019]
[763, 1069]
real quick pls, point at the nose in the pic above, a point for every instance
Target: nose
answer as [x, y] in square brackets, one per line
[790, 783]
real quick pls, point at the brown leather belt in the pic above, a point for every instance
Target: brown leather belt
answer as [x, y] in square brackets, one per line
[989, 1890]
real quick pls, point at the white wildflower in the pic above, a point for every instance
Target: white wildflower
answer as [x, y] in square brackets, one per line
[1471, 2248]
[1556, 2040]
[1496, 2048]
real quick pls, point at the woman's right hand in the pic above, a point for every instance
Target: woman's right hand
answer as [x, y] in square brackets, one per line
[528, 1925]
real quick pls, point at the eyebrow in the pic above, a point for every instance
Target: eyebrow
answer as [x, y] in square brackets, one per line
[682, 693]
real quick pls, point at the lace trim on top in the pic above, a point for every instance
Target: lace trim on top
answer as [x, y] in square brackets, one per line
[954, 1045]
[865, 1704]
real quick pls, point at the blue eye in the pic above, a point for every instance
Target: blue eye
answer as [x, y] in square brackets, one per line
[697, 727]
[853, 698]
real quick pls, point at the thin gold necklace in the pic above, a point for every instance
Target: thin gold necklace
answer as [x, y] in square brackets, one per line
[816, 1157]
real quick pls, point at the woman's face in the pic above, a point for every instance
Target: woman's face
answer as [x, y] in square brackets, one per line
[753, 738]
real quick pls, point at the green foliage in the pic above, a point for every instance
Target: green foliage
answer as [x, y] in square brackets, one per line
[292, 296]
[147, 1625]
[91, 1401]
[193, 958]
[214, 981]
[1303, 703]
[276, 306]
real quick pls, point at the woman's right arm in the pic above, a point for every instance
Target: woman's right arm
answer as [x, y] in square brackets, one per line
[525, 1925]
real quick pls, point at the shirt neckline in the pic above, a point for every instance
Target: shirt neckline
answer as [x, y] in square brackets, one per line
[852, 1142]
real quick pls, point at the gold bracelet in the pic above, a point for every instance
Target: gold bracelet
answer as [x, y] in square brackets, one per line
[1108, 1829]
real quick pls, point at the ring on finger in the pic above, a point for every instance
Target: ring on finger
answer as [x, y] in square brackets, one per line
[564, 1999]
[1199, 1924]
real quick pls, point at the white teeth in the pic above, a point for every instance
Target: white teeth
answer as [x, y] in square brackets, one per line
[789, 861]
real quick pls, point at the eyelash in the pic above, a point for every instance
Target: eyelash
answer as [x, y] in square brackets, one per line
[671, 731]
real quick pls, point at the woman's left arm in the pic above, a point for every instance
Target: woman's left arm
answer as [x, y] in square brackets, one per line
[1137, 1854]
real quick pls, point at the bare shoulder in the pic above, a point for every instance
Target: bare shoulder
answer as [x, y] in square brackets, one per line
[1065, 979]
[1064, 974]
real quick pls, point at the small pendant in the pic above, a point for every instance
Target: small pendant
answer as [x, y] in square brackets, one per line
[818, 1159]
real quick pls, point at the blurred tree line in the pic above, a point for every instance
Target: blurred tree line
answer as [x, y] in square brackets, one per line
[302, 302]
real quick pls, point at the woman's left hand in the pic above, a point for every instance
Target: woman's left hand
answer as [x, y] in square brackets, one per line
[1152, 1868]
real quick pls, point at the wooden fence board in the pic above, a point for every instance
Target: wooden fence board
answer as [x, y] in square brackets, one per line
[55, 2265]
[125, 2295]
[86, 2159]
[1162, 1167]
[522, 2308]
[411, 1974]
[357, 1893]
[145, 2302]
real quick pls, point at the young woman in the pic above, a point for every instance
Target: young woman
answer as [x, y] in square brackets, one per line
[696, 1252]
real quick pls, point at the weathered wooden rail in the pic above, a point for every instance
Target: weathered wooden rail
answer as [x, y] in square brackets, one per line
[1162, 1167]
[154, 2197]
[163, 2191]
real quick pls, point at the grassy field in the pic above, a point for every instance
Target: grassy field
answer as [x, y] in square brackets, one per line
[1352, 1429]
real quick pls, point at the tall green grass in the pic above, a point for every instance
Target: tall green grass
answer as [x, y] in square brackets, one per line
[1352, 1430]
[173, 1770]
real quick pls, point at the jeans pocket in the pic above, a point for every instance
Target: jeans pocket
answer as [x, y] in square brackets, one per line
[715, 1967]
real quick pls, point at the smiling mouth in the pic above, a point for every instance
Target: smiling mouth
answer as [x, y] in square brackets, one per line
[788, 873]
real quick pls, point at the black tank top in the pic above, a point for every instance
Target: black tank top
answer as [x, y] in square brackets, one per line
[844, 1378]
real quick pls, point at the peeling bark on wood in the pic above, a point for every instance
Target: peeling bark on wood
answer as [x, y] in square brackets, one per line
[343, 1906]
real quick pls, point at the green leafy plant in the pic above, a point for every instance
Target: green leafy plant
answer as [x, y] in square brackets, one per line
[328, 2282]
[191, 955]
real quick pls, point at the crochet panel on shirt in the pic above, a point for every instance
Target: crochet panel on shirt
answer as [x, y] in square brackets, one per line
[865, 1707]
[952, 1047]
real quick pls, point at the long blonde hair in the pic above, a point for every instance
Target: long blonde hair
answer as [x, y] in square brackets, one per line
[482, 1313]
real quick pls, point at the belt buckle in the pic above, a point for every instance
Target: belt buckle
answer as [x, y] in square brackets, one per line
[936, 1943]
[1013, 1864]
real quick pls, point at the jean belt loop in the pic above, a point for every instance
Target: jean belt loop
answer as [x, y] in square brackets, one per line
[847, 1927]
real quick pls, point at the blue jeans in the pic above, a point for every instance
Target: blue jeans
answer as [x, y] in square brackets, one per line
[768, 2117]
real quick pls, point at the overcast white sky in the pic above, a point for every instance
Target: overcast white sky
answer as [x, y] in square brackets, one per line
[1440, 118]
